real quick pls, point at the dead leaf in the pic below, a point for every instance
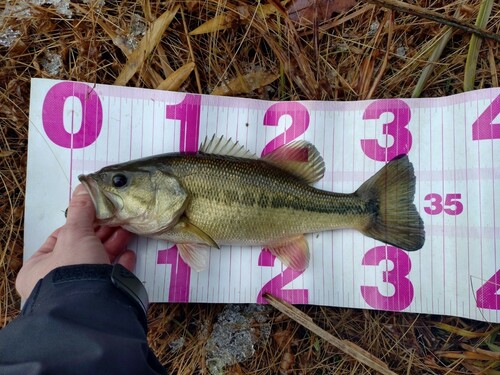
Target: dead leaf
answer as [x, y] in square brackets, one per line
[232, 19]
[220, 22]
[174, 81]
[5, 153]
[245, 84]
[317, 10]
[146, 46]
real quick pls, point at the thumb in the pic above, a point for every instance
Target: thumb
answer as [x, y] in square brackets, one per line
[81, 210]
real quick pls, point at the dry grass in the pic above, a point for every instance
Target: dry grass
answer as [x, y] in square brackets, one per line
[254, 52]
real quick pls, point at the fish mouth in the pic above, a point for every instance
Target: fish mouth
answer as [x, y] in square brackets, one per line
[104, 206]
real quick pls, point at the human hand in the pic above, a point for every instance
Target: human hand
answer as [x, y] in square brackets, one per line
[76, 242]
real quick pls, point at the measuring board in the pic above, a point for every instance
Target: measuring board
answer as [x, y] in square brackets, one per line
[453, 143]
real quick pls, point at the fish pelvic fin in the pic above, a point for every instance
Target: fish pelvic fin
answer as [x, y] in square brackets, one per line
[195, 255]
[293, 252]
[389, 195]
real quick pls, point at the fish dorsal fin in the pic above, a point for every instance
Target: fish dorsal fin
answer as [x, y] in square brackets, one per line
[223, 146]
[300, 158]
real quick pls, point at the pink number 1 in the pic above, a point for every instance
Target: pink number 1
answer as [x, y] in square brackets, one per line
[180, 274]
[188, 112]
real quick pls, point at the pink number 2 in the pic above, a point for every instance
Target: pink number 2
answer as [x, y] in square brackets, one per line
[276, 284]
[300, 123]
[398, 277]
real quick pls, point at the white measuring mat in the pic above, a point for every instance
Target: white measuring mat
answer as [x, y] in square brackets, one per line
[453, 143]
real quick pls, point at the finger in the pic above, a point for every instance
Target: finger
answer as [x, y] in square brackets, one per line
[127, 259]
[81, 211]
[49, 243]
[118, 241]
[104, 233]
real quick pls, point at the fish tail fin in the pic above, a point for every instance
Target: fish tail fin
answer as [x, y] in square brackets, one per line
[389, 195]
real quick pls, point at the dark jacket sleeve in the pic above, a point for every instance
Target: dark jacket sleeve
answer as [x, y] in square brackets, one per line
[77, 322]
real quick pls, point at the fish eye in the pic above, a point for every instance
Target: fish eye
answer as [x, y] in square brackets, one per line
[119, 180]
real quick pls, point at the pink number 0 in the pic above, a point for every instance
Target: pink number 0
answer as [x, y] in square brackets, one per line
[53, 115]
[397, 129]
[188, 113]
[398, 277]
[300, 123]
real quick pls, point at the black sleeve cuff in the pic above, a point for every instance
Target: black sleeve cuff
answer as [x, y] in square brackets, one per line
[117, 275]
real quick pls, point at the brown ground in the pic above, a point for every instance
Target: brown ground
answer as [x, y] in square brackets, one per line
[259, 53]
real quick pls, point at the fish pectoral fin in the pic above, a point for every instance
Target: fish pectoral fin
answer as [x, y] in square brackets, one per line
[293, 252]
[300, 158]
[198, 234]
[195, 255]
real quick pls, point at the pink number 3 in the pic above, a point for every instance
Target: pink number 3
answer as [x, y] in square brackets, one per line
[398, 277]
[396, 129]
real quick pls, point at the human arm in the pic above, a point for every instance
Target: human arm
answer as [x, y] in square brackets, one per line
[75, 320]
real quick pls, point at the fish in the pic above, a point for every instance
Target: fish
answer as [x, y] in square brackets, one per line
[223, 194]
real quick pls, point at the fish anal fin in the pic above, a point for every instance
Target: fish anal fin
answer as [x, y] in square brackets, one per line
[293, 252]
[389, 195]
[195, 255]
[227, 147]
[300, 158]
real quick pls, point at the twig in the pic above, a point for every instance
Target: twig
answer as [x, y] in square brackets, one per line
[347, 347]
[434, 16]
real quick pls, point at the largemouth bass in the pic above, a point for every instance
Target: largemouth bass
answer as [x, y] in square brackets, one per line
[225, 195]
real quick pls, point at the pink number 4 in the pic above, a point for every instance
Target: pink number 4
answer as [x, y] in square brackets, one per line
[483, 127]
[486, 296]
